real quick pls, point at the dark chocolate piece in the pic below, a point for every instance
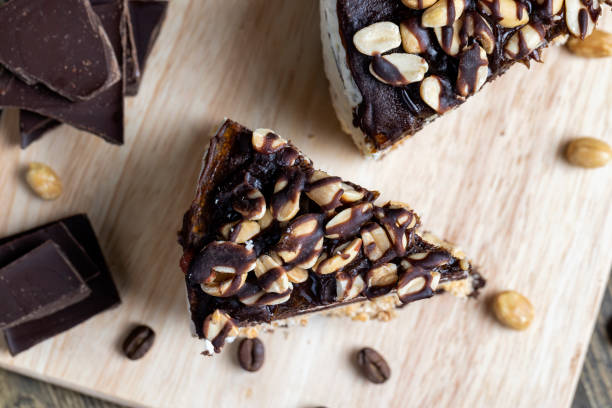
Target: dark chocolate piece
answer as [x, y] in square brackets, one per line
[145, 22]
[39, 283]
[146, 19]
[262, 243]
[76, 238]
[102, 115]
[59, 43]
[33, 126]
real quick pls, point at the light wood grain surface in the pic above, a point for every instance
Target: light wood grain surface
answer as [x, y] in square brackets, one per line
[594, 388]
[488, 176]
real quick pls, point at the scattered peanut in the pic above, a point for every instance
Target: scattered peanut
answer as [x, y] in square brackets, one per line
[588, 152]
[44, 181]
[597, 45]
[513, 310]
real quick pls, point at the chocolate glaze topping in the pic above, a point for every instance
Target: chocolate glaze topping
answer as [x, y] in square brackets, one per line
[387, 71]
[388, 113]
[231, 161]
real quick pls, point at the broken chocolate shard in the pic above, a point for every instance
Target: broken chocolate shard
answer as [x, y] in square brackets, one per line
[37, 284]
[307, 243]
[101, 115]
[77, 240]
[146, 19]
[145, 22]
[60, 44]
[33, 126]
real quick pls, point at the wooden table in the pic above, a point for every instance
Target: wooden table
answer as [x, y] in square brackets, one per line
[594, 389]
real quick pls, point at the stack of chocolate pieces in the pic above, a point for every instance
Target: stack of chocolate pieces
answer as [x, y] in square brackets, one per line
[74, 61]
[52, 278]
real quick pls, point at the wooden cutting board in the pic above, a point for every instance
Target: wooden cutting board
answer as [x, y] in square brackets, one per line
[489, 176]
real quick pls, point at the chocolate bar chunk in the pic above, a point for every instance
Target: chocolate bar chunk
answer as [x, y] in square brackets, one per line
[146, 19]
[394, 66]
[144, 25]
[76, 238]
[39, 283]
[59, 43]
[101, 115]
[33, 126]
[268, 237]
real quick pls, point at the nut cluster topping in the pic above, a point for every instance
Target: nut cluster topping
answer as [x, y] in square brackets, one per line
[344, 255]
[348, 222]
[266, 141]
[581, 16]
[348, 287]
[377, 38]
[438, 94]
[221, 268]
[414, 284]
[218, 328]
[469, 32]
[551, 7]
[415, 38]
[443, 13]
[286, 199]
[398, 220]
[383, 275]
[249, 202]
[376, 243]
[325, 190]
[508, 13]
[398, 69]
[271, 276]
[473, 70]
[302, 242]
[240, 231]
[333, 240]
[525, 40]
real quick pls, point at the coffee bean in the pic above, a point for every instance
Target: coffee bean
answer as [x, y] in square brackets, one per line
[609, 329]
[251, 354]
[373, 365]
[138, 342]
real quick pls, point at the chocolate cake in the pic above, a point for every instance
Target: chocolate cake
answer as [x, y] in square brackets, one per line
[395, 66]
[269, 238]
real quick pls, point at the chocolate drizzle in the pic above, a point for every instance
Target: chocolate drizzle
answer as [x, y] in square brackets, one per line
[387, 71]
[583, 21]
[447, 98]
[447, 38]
[232, 161]
[450, 11]
[220, 254]
[470, 62]
[388, 114]
[420, 33]
[415, 272]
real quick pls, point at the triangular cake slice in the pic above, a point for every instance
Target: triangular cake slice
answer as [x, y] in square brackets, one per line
[396, 65]
[269, 238]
